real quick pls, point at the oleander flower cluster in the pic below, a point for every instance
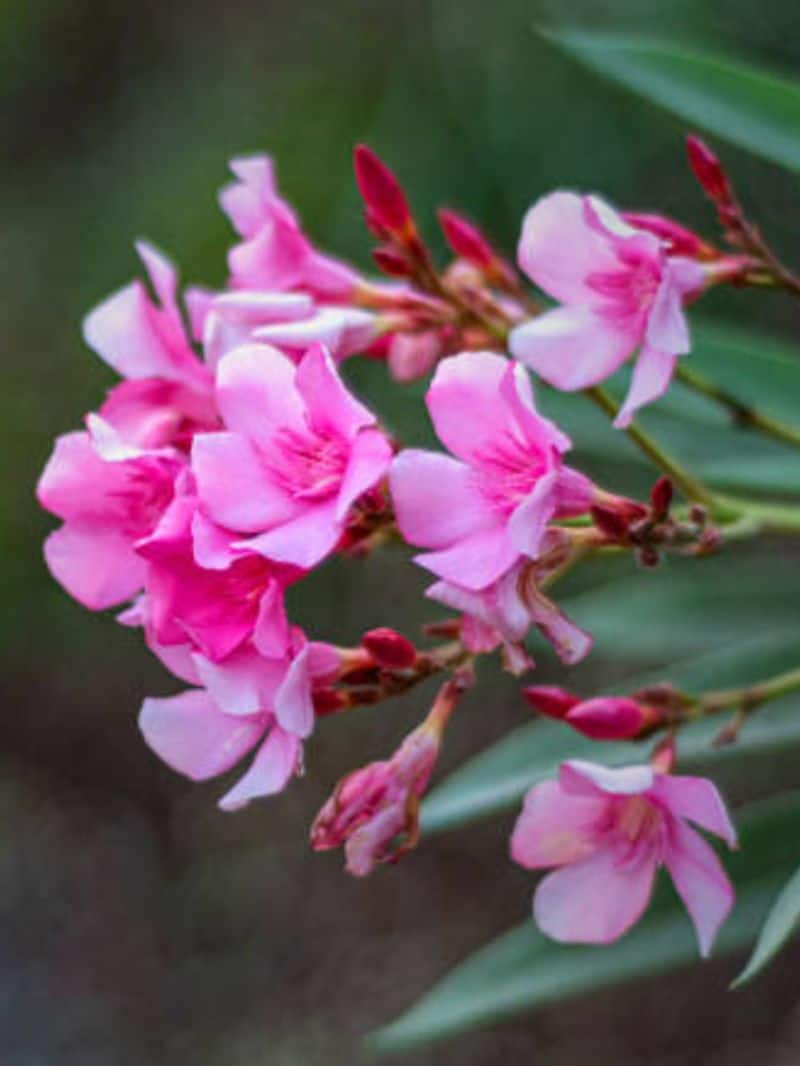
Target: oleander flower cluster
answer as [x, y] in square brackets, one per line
[232, 459]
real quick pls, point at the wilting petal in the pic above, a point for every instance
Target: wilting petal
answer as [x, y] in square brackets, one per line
[573, 347]
[651, 377]
[270, 772]
[595, 900]
[559, 248]
[233, 485]
[701, 882]
[555, 828]
[97, 566]
[697, 799]
[436, 499]
[193, 736]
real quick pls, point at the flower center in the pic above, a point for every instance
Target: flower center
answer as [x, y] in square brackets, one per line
[507, 473]
[307, 465]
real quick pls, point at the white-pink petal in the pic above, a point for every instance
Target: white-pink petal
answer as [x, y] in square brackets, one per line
[436, 499]
[555, 827]
[652, 374]
[270, 772]
[701, 882]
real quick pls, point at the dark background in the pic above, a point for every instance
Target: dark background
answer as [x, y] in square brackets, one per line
[138, 924]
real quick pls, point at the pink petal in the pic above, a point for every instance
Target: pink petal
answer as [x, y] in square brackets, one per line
[244, 201]
[570, 642]
[528, 523]
[198, 302]
[697, 799]
[192, 735]
[436, 499]
[257, 308]
[97, 566]
[245, 683]
[275, 258]
[651, 377]
[517, 391]
[555, 828]
[466, 404]
[701, 882]
[234, 485]
[667, 328]
[270, 772]
[595, 900]
[124, 334]
[332, 410]
[343, 331]
[559, 248]
[572, 348]
[474, 562]
[581, 778]
[271, 635]
[369, 460]
[256, 392]
[302, 541]
[163, 277]
[294, 708]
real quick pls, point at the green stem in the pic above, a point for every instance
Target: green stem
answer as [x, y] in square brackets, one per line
[691, 488]
[750, 696]
[743, 414]
[751, 517]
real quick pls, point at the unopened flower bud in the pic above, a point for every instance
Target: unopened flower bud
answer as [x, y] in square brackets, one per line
[550, 700]
[708, 171]
[466, 240]
[661, 497]
[391, 262]
[329, 700]
[676, 238]
[389, 649]
[386, 205]
[610, 523]
[610, 718]
[413, 355]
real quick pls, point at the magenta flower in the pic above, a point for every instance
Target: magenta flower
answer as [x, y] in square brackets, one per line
[620, 291]
[275, 254]
[487, 508]
[169, 392]
[110, 496]
[217, 606]
[607, 832]
[298, 452]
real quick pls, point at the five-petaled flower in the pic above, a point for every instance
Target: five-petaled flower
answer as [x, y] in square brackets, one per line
[620, 291]
[607, 832]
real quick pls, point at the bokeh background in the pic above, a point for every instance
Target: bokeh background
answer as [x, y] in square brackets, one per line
[138, 924]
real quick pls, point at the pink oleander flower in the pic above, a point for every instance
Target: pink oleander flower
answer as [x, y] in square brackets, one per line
[110, 495]
[168, 393]
[374, 811]
[487, 506]
[620, 291]
[297, 452]
[607, 832]
[201, 590]
[275, 254]
[503, 613]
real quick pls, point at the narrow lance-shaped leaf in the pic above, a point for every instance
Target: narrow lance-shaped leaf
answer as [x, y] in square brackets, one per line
[750, 107]
[781, 924]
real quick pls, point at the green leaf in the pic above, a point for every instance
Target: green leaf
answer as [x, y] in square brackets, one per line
[498, 778]
[747, 106]
[522, 970]
[781, 924]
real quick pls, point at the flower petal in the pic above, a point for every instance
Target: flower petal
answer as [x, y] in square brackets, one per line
[97, 566]
[596, 900]
[270, 772]
[697, 799]
[466, 404]
[256, 392]
[436, 499]
[332, 409]
[555, 827]
[193, 736]
[701, 882]
[581, 778]
[528, 523]
[302, 541]
[651, 377]
[572, 348]
[474, 562]
[294, 708]
[369, 460]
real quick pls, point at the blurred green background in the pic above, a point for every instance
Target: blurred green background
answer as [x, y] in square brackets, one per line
[139, 924]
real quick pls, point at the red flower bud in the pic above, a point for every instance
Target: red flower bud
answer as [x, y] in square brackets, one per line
[386, 205]
[329, 701]
[608, 718]
[391, 262]
[678, 239]
[550, 700]
[466, 240]
[389, 649]
[708, 171]
[611, 523]
[661, 496]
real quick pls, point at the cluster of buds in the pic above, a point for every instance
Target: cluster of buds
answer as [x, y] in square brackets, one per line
[650, 530]
[632, 717]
